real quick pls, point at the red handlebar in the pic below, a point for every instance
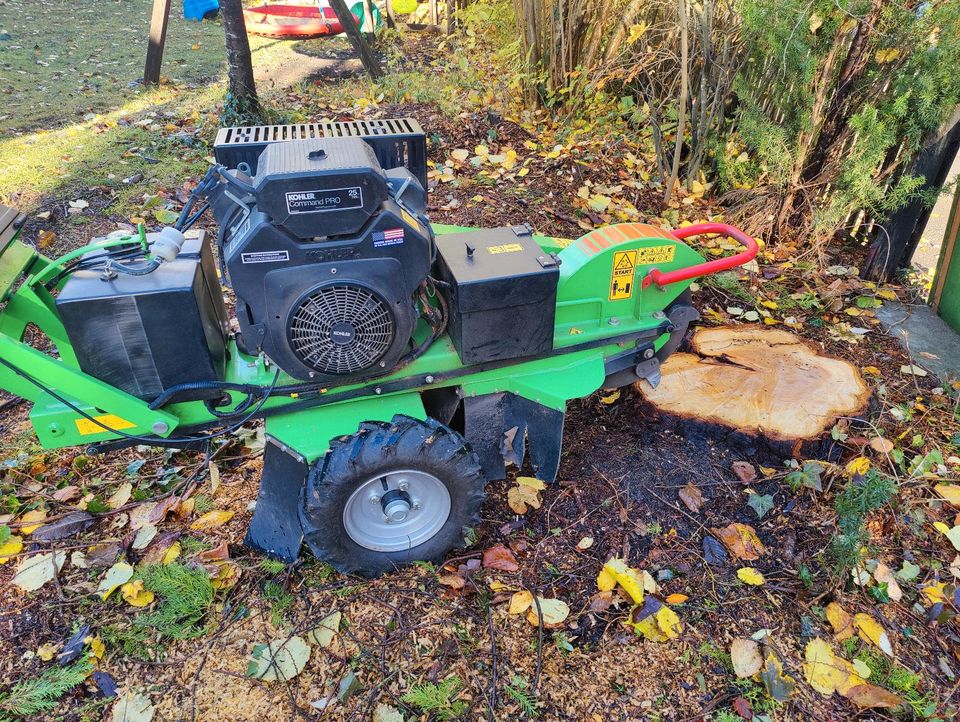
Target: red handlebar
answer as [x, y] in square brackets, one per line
[703, 269]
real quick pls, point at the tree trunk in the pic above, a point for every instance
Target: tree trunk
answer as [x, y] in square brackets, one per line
[681, 102]
[243, 88]
[838, 114]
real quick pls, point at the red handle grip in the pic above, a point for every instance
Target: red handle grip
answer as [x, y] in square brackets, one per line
[703, 269]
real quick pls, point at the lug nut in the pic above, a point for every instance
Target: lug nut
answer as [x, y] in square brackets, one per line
[403, 485]
[374, 498]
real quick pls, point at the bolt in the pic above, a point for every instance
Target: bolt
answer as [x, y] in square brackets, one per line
[429, 379]
[333, 271]
[658, 314]
[374, 499]
[403, 485]
[378, 390]
[648, 353]
[614, 321]
[416, 504]
[160, 427]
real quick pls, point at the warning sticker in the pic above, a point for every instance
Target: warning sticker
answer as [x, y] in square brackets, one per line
[505, 248]
[621, 277]
[410, 220]
[86, 427]
[655, 254]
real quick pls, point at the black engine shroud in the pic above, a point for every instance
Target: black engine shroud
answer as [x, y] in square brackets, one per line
[325, 253]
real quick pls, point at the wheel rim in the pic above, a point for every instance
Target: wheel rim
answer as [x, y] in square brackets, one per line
[396, 511]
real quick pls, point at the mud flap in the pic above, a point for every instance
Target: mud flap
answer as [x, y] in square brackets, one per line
[500, 426]
[275, 527]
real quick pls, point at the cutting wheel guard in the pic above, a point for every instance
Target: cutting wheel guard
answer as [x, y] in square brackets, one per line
[655, 276]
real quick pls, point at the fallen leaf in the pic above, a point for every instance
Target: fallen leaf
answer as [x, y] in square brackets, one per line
[656, 621]
[691, 497]
[778, 685]
[913, 370]
[870, 696]
[871, 631]
[949, 492]
[741, 540]
[10, 548]
[35, 571]
[760, 504]
[47, 651]
[610, 398]
[676, 598]
[32, 521]
[585, 543]
[525, 494]
[629, 579]
[454, 581]
[460, 154]
[745, 656]
[744, 471]
[520, 602]
[121, 496]
[554, 613]
[63, 527]
[857, 467]
[601, 602]
[884, 446]
[211, 520]
[713, 551]
[326, 631]
[133, 707]
[386, 713]
[135, 595]
[743, 708]
[841, 622]
[119, 573]
[749, 575]
[281, 660]
[501, 558]
[67, 493]
[822, 669]
[884, 575]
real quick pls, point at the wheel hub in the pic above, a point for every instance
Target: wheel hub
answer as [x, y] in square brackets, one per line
[396, 511]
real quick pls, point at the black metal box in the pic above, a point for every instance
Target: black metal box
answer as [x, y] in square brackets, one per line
[398, 142]
[503, 290]
[323, 187]
[145, 334]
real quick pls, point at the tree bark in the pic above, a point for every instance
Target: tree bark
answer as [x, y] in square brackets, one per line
[243, 88]
[681, 102]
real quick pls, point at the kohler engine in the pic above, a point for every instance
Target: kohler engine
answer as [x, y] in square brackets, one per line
[326, 253]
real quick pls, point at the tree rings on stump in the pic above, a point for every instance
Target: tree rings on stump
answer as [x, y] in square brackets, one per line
[759, 383]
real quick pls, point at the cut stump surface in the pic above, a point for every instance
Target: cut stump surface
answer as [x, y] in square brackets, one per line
[758, 381]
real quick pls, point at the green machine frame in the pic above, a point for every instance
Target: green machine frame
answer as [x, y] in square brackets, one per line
[621, 309]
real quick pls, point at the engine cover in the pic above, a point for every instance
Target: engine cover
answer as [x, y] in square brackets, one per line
[325, 282]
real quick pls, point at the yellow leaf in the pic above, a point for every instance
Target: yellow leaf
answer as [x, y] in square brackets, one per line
[461, 154]
[841, 622]
[769, 304]
[523, 495]
[941, 527]
[636, 32]
[227, 575]
[211, 520]
[135, 595]
[821, 668]
[749, 575]
[871, 370]
[661, 626]
[121, 496]
[116, 575]
[871, 631]
[677, 598]
[934, 592]
[860, 465]
[949, 492]
[605, 580]
[520, 602]
[172, 552]
[522, 172]
[529, 145]
[97, 647]
[887, 295]
[37, 515]
[481, 150]
[46, 651]
[611, 398]
[509, 161]
[629, 579]
[553, 612]
[10, 548]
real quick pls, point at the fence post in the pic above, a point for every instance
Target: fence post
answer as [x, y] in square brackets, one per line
[365, 52]
[158, 37]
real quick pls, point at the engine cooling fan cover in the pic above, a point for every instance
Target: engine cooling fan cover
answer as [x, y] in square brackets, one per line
[341, 329]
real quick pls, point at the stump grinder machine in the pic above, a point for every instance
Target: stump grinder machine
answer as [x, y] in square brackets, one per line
[399, 365]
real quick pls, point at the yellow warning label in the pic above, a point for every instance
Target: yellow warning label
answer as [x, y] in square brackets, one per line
[505, 248]
[87, 427]
[621, 277]
[655, 254]
[410, 220]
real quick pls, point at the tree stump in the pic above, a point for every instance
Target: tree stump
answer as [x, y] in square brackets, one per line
[759, 383]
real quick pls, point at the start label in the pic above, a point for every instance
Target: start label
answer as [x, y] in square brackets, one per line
[621, 277]
[505, 248]
[113, 423]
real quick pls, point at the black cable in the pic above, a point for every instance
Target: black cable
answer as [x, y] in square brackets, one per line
[134, 437]
[194, 218]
